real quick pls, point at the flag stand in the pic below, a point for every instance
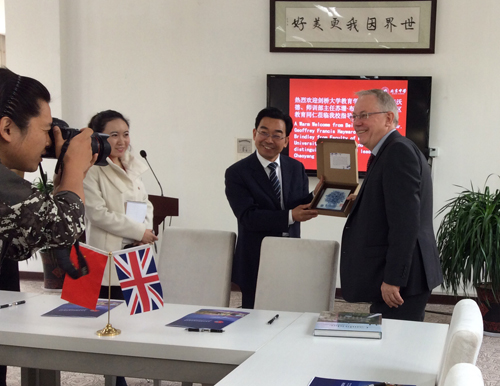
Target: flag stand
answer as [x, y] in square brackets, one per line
[109, 330]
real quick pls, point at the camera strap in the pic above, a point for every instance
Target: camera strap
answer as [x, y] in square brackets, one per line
[60, 163]
[62, 256]
[83, 268]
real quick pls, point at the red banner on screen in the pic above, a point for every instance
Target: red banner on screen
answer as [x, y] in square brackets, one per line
[320, 108]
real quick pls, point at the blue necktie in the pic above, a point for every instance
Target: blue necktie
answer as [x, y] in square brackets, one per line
[274, 180]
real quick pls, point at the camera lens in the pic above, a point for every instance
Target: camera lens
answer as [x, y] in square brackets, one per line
[99, 142]
[101, 147]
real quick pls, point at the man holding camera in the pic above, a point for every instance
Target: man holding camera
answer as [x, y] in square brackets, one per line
[30, 219]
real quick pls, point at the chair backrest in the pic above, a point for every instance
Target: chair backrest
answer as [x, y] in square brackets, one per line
[464, 337]
[195, 266]
[297, 274]
[464, 374]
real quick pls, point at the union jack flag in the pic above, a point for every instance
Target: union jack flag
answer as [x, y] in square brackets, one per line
[139, 279]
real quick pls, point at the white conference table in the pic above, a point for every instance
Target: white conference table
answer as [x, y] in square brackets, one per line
[146, 348]
[408, 353]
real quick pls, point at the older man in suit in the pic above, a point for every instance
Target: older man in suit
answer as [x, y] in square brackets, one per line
[269, 195]
[389, 255]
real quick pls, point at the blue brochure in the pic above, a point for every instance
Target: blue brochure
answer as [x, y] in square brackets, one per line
[206, 318]
[342, 382]
[74, 311]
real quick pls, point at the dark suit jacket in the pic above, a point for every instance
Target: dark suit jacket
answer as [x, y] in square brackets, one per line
[389, 234]
[258, 211]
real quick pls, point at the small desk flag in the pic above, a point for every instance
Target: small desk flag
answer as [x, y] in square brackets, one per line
[84, 291]
[139, 280]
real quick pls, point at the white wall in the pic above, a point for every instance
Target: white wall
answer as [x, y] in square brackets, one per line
[190, 75]
[2, 17]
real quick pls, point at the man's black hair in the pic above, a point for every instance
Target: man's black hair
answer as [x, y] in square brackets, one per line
[273, 112]
[20, 97]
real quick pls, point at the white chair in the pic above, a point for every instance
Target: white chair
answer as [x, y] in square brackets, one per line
[464, 337]
[194, 266]
[297, 274]
[464, 374]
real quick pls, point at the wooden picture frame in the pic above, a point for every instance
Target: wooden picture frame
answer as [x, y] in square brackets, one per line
[342, 207]
[393, 26]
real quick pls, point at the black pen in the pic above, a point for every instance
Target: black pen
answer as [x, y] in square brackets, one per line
[204, 330]
[13, 304]
[273, 319]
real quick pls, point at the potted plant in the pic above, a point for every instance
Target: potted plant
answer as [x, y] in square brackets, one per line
[53, 275]
[468, 241]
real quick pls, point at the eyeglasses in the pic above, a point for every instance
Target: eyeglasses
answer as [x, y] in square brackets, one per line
[364, 116]
[274, 137]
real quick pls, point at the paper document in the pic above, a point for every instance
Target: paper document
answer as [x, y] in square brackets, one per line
[340, 161]
[136, 210]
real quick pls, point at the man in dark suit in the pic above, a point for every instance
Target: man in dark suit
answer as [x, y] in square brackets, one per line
[269, 195]
[389, 255]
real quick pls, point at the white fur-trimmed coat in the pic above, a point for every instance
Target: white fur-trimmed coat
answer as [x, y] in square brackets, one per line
[107, 189]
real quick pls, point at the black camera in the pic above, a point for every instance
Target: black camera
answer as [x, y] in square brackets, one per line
[100, 145]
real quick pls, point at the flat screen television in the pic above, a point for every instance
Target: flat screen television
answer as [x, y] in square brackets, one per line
[320, 106]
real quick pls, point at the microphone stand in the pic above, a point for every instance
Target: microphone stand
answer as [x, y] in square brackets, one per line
[145, 156]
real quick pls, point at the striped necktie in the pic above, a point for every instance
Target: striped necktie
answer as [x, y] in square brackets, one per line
[275, 182]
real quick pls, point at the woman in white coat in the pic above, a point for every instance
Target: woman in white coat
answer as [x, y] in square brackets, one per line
[108, 189]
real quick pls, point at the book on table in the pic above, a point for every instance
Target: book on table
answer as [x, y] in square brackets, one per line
[343, 382]
[349, 325]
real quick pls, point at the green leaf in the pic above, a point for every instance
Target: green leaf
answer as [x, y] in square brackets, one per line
[468, 239]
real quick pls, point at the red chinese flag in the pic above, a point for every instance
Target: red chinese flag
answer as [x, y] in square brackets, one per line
[84, 291]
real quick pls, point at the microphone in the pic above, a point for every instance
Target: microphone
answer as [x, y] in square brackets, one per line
[145, 156]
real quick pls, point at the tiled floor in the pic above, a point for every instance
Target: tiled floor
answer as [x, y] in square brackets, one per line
[488, 361]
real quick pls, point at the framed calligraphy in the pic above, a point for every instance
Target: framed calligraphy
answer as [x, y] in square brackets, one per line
[368, 26]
